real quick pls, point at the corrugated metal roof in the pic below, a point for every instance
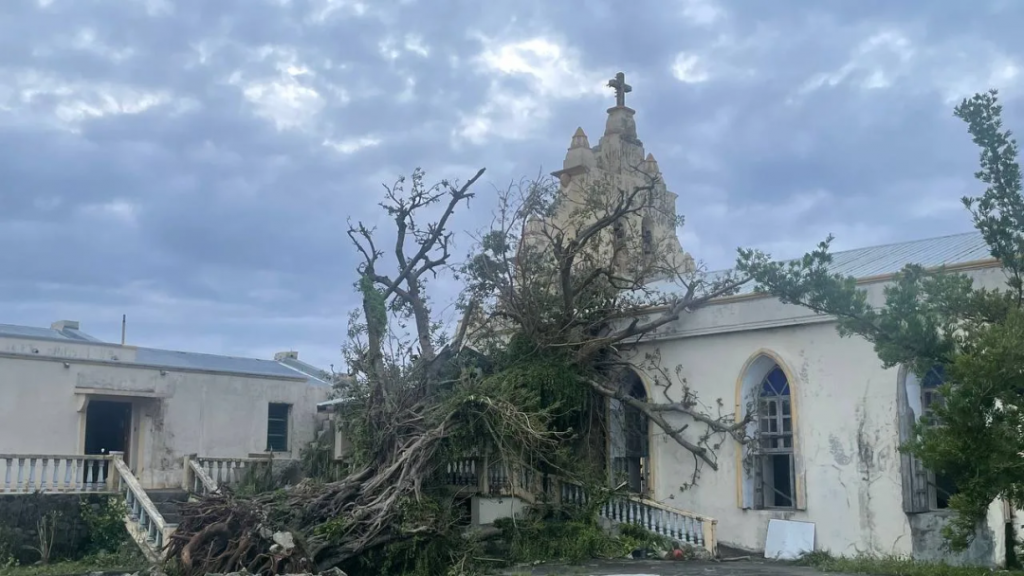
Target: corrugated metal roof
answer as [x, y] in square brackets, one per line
[172, 359]
[305, 369]
[891, 258]
[213, 362]
[45, 333]
[79, 335]
[930, 253]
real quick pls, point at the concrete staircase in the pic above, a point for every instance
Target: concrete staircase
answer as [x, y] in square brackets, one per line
[168, 503]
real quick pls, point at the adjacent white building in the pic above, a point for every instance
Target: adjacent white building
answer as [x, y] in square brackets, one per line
[829, 418]
[63, 392]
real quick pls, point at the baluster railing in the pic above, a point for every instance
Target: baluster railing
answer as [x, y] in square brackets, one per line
[145, 523]
[679, 525]
[463, 472]
[196, 479]
[30, 473]
[494, 477]
[498, 481]
[223, 471]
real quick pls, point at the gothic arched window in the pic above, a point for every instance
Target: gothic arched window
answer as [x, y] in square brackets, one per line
[774, 471]
[917, 399]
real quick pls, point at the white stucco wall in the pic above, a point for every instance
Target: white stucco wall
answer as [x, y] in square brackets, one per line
[848, 466]
[175, 412]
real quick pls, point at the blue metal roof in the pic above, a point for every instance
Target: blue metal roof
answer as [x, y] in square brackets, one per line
[891, 258]
[214, 363]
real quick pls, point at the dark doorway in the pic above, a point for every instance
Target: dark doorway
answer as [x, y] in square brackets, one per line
[630, 446]
[108, 427]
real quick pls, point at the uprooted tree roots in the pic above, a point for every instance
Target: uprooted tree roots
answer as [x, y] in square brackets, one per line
[394, 496]
[221, 533]
[309, 526]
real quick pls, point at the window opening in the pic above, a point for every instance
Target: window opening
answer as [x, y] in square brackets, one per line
[774, 467]
[277, 427]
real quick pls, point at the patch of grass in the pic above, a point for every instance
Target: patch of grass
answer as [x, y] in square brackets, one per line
[889, 566]
[105, 523]
[127, 559]
[562, 540]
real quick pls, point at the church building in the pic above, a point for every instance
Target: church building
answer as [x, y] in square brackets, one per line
[829, 419]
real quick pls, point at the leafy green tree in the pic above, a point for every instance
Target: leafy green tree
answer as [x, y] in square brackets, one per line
[934, 319]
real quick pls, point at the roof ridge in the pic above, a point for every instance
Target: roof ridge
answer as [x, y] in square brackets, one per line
[720, 271]
[205, 354]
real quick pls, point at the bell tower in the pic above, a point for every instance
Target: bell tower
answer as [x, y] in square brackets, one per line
[617, 164]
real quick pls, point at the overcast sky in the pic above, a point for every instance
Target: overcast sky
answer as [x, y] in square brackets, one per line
[192, 163]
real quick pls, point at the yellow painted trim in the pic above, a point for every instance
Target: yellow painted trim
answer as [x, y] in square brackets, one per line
[794, 403]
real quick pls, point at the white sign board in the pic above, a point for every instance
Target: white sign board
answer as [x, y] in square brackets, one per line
[788, 540]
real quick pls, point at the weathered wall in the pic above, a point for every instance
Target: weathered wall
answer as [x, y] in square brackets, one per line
[19, 518]
[211, 414]
[848, 464]
[927, 543]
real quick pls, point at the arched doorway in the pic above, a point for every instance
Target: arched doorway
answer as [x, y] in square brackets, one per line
[629, 444]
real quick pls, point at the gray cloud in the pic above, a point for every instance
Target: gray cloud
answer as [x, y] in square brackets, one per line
[192, 164]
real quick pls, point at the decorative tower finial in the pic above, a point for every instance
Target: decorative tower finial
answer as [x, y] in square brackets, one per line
[621, 89]
[651, 165]
[579, 140]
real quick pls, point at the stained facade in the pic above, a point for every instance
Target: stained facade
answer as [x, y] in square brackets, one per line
[827, 418]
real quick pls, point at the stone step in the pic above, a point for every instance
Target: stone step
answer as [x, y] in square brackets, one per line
[170, 518]
[170, 511]
[158, 496]
[168, 503]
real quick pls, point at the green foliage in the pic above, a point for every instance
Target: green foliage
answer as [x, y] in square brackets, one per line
[563, 540]
[636, 537]
[105, 522]
[334, 529]
[257, 479]
[999, 212]
[441, 551]
[46, 531]
[549, 378]
[126, 560]
[979, 442]
[8, 559]
[888, 566]
[932, 318]
[108, 546]
[573, 535]
[375, 304]
[318, 463]
[548, 318]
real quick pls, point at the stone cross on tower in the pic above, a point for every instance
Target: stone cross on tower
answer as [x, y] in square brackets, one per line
[621, 88]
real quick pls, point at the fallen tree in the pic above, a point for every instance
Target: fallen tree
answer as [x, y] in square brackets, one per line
[552, 317]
